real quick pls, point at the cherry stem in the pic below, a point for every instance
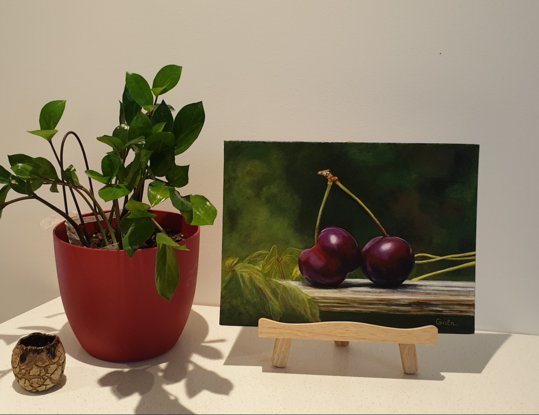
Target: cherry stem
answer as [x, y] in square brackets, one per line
[330, 183]
[334, 179]
[467, 256]
[468, 264]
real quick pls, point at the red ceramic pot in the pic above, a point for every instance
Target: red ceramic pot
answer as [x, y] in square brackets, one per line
[111, 301]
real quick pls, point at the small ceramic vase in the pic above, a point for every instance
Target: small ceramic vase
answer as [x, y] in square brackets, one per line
[38, 361]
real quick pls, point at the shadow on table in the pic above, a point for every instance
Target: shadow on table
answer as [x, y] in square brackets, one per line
[453, 354]
[19, 389]
[151, 378]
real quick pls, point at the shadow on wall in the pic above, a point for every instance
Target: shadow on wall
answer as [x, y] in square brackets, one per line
[150, 378]
[453, 354]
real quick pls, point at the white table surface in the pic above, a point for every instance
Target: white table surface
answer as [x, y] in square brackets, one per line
[214, 369]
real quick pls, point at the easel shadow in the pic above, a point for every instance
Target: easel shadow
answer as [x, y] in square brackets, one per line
[453, 354]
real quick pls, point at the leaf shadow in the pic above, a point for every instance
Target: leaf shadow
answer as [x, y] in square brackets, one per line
[152, 379]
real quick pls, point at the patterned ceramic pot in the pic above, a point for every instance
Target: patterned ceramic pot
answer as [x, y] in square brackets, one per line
[38, 361]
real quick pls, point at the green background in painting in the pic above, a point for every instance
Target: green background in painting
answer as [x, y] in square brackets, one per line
[423, 193]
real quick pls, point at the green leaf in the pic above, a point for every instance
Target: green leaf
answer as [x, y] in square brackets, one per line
[203, 213]
[137, 214]
[145, 157]
[70, 176]
[157, 128]
[19, 159]
[46, 134]
[33, 184]
[166, 79]
[98, 176]
[163, 141]
[3, 195]
[111, 164]
[22, 170]
[115, 142]
[140, 126]
[157, 91]
[134, 142]
[54, 187]
[121, 132]
[157, 192]
[18, 185]
[113, 192]
[134, 205]
[131, 108]
[167, 273]
[162, 114]
[139, 89]
[178, 176]
[161, 162]
[126, 223]
[4, 176]
[187, 126]
[163, 239]
[140, 231]
[179, 202]
[50, 115]
[132, 172]
[121, 117]
[44, 168]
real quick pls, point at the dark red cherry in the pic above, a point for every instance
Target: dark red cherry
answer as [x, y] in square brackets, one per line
[387, 260]
[331, 259]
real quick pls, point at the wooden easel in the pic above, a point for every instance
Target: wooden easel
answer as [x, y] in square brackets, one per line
[342, 333]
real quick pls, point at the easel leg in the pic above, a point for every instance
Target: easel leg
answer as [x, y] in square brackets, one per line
[409, 358]
[341, 344]
[280, 352]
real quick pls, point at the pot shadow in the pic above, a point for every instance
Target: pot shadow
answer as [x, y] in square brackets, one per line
[152, 379]
[453, 354]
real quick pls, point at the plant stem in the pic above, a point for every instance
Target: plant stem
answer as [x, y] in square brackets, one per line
[116, 206]
[65, 216]
[468, 264]
[103, 215]
[330, 183]
[327, 173]
[6, 204]
[158, 226]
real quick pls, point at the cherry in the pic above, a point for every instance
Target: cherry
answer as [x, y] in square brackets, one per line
[387, 260]
[331, 259]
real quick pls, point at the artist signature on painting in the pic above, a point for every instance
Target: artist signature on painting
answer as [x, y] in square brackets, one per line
[440, 322]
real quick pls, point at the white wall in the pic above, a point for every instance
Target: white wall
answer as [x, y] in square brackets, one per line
[400, 71]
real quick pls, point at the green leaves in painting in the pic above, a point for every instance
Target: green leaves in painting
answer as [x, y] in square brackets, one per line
[139, 89]
[166, 79]
[248, 295]
[167, 273]
[187, 126]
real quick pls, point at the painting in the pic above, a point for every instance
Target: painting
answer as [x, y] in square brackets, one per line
[379, 233]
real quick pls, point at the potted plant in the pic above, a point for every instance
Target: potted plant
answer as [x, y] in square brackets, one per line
[127, 274]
